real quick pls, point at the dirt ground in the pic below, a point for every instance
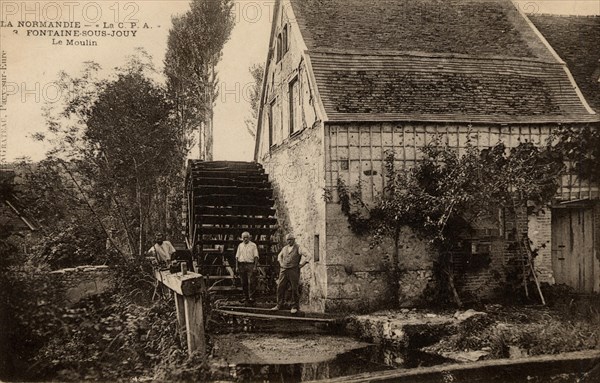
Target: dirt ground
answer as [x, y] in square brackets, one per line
[246, 348]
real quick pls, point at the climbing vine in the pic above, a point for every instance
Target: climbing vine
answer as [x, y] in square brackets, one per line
[354, 208]
[443, 196]
[581, 147]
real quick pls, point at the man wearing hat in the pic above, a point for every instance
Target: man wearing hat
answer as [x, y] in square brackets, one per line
[291, 259]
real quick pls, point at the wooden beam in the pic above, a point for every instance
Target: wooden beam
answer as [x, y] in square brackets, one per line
[276, 316]
[187, 291]
[261, 310]
[180, 310]
[186, 285]
[194, 323]
[576, 362]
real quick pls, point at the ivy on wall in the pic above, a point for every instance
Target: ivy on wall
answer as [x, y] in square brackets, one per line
[446, 193]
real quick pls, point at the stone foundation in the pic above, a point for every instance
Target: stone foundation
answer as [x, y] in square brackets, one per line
[412, 286]
[359, 277]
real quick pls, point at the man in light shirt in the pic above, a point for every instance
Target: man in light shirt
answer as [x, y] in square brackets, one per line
[246, 265]
[162, 249]
[291, 259]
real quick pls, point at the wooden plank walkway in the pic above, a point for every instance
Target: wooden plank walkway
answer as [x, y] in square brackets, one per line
[267, 314]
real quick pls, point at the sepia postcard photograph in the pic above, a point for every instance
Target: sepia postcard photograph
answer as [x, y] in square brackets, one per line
[300, 191]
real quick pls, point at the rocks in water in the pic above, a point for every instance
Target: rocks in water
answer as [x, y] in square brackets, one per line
[461, 316]
[515, 352]
[466, 356]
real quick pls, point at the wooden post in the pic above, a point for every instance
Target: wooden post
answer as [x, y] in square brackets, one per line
[194, 322]
[187, 291]
[180, 310]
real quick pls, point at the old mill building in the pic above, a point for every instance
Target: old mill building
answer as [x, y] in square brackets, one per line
[346, 81]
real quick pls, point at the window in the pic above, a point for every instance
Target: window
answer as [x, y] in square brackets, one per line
[279, 47]
[285, 39]
[294, 101]
[271, 111]
[316, 252]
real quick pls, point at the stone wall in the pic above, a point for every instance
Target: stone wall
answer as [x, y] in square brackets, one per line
[295, 172]
[496, 273]
[82, 282]
[358, 274]
[415, 263]
[293, 154]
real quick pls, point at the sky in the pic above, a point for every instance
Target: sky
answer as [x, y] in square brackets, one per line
[30, 63]
[33, 62]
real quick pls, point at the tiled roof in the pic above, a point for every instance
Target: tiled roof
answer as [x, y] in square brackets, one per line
[576, 39]
[359, 87]
[434, 60]
[473, 27]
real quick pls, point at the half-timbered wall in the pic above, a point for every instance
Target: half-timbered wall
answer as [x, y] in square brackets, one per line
[356, 151]
[355, 154]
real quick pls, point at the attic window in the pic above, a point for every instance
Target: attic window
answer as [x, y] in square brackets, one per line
[279, 47]
[294, 111]
[285, 39]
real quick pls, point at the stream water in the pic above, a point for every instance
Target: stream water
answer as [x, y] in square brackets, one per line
[374, 358]
[282, 352]
[371, 358]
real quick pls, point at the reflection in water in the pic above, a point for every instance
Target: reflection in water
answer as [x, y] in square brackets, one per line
[367, 359]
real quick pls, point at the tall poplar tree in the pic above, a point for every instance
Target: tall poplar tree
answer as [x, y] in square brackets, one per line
[195, 46]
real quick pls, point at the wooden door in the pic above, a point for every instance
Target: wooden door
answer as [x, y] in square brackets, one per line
[574, 261]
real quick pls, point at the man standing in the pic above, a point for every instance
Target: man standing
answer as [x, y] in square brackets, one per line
[291, 259]
[162, 249]
[246, 265]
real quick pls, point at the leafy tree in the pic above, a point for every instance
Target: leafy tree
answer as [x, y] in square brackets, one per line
[133, 144]
[194, 48]
[68, 234]
[6, 184]
[581, 147]
[116, 162]
[65, 119]
[117, 143]
[258, 72]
